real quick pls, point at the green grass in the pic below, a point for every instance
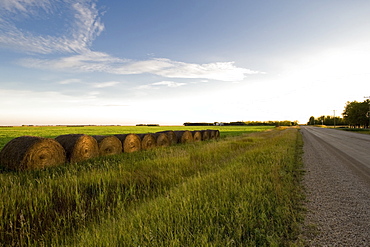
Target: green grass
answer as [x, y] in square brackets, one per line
[242, 190]
[358, 130]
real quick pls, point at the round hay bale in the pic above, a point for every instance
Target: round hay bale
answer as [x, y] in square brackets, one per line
[171, 136]
[217, 134]
[212, 134]
[108, 145]
[184, 136]
[162, 139]
[197, 136]
[31, 152]
[130, 142]
[205, 135]
[79, 147]
[148, 141]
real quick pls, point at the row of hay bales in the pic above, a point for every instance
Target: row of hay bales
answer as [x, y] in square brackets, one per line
[31, 152]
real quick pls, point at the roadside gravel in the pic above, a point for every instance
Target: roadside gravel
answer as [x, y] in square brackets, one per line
[338, 194]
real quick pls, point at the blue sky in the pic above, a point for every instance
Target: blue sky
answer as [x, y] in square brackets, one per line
[170, 62]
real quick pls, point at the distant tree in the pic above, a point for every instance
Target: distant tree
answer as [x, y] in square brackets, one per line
[355, 114]
[311, 121]
[326, 120]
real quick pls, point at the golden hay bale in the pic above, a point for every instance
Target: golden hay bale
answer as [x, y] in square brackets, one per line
[162, 139]
[79, 147]
[212, 134]
[205, 135]
[217, 134]
[197, 135]
[31, 152]
[184, 136]
[171, 136]
[130, 142]
[148, 141]
[108, 145]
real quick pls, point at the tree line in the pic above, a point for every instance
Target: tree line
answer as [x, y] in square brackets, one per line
[326, 120]
[355, 115]
[247, 123]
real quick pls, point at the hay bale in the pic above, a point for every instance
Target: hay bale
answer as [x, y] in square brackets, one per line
[212, 134]
[108, 145]
[79, 147]
[205, 135]
[130, 142]
[217, 134]
[171, 136]
[184, 136]
[197, 135]
[162, 139]
[148, 141]
[31, 152]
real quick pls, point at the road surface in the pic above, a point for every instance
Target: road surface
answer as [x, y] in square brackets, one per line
[337, 180]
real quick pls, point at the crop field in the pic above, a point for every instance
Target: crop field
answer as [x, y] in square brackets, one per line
[241, 190]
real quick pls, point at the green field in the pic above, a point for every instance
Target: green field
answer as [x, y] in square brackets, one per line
[8, 133]
[242, 190]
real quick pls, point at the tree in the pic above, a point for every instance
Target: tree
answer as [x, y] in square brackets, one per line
[355, 113]
[311, 121]
[326, 120]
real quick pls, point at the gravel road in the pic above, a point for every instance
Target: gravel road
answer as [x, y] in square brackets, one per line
[337, 180]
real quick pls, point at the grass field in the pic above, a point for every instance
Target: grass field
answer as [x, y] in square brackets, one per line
[8, 133]
[243, 190]
[358, 130]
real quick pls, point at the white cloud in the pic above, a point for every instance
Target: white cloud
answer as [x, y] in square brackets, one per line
[169, 84]
[95, 85]
[25, 7]
[223, 71]
[69, 81]
[161, 83]
[86, 62]
[105, 84]
[88, 24]
[102, 62]
[85, 26]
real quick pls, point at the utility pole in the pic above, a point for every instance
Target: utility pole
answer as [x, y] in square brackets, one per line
[368, 113]
[334, 118]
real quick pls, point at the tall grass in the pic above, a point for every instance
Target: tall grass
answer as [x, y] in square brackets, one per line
[240, 191]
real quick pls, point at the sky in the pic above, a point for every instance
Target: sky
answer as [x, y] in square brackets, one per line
[169, 62]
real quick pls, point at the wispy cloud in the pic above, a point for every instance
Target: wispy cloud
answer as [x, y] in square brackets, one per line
[223, 71]
[84, 27]
[171, 84]
[102, 62]
[69, 81]
[25, 7]
[105, 84]
[92, 84]
[88, 61]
